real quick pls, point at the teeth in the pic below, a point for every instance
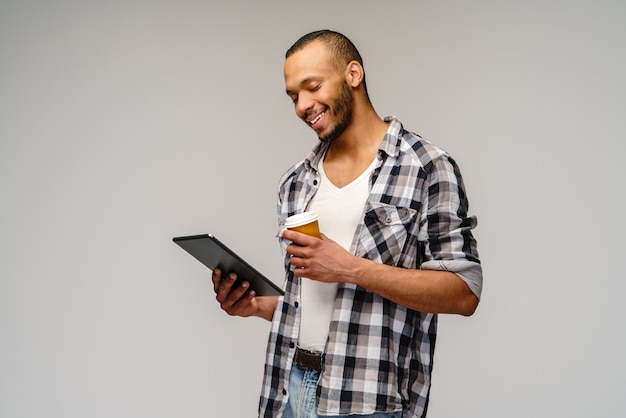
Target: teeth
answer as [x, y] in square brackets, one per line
[318, 117]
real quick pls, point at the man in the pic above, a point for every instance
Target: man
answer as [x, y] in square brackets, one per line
[355, 332]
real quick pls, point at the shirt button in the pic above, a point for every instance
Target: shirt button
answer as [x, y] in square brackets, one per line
[296, 304]
[291, 345]
[284, 391]
[314, 182]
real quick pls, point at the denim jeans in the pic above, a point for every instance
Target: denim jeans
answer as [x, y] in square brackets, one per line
[302, 394]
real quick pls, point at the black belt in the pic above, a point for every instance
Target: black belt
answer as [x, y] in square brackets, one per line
[308, 359]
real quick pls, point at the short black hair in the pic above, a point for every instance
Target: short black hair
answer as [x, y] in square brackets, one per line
[341, 48]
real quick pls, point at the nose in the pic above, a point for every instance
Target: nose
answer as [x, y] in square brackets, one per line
[304, 105]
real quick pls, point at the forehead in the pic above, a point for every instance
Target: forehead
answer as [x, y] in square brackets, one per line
[312, 61]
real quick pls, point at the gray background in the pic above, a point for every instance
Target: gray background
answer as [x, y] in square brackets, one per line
[125, 123]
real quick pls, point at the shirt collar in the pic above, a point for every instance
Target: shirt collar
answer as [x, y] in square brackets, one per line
[391, 141]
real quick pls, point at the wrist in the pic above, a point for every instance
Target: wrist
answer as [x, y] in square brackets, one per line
[266, 307]
[358, 271]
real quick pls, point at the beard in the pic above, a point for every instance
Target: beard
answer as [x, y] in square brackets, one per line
[342, 110]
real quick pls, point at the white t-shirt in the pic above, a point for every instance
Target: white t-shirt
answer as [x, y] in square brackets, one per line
[339, 210]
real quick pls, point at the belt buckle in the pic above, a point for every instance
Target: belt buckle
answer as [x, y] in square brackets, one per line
[308, 359]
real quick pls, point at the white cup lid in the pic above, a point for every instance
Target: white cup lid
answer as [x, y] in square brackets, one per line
[300, 219]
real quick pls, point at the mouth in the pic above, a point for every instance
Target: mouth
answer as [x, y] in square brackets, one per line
[316, 119]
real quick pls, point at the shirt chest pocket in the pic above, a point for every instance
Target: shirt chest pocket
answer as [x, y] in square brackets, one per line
[386, 232]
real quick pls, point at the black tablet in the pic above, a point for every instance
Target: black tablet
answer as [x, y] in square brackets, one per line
[212, 253]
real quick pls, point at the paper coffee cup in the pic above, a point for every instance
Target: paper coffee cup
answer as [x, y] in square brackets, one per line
[305, 222]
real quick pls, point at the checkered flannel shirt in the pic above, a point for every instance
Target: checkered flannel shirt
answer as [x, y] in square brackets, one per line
[379, 355]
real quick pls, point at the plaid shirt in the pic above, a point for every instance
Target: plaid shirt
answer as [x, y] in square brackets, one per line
[379, 355]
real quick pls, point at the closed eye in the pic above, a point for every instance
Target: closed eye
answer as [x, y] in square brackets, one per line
[294, 97]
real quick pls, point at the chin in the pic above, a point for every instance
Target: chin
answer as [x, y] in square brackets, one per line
[335, 133]
[327, 139]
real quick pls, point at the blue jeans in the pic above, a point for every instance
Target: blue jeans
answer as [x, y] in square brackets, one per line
[302, 396]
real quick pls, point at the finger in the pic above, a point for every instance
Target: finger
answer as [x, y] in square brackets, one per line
[229, 293]
[245, 306]
[238, 300]
[298, 237]
[305, 274]
[224, 286]
[299, 265]
[246, 296]
[296, 250]
[216, 278]
[296, 261]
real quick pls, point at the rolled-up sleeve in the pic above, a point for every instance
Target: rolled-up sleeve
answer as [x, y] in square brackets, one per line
[469, 271]
[446, 227]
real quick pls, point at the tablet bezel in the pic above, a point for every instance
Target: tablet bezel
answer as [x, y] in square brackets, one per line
[213, 253]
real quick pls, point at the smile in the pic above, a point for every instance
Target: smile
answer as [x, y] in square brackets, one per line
[316, 118]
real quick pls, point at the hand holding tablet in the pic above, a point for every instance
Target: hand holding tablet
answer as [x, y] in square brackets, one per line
[214, 254]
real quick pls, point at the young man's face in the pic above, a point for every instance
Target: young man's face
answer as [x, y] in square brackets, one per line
[321, 95]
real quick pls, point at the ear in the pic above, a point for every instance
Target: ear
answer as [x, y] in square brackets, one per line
[354, 74]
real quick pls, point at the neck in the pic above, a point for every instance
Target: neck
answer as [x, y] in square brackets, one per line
[362, 138]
